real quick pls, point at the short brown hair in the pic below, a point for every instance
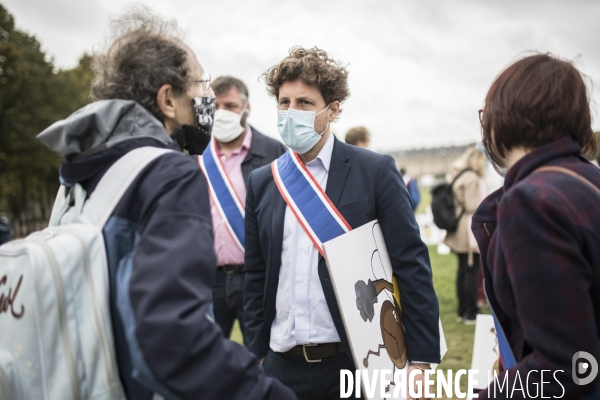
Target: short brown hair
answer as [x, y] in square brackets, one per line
[223, 84]
[357, 134]
[537, 100]
[314, 68]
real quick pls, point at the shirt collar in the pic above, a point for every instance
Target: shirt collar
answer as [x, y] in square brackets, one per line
[245, 143]
[325, 154]
[248, 138]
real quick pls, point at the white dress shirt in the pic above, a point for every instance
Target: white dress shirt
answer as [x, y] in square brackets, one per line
[302, 315]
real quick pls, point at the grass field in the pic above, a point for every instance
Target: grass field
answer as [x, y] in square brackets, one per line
[459, 337]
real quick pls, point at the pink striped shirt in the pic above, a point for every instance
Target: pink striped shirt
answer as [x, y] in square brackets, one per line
[227, 250]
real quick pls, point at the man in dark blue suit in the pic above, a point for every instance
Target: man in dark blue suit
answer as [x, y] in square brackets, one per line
[291, 315]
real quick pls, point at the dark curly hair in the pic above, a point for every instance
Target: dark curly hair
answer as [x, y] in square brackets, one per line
[143, 53]
[314, 68]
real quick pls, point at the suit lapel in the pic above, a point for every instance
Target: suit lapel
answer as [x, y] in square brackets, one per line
[338, 172]
[277, 225]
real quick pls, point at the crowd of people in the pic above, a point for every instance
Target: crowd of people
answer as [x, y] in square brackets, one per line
[214, 230]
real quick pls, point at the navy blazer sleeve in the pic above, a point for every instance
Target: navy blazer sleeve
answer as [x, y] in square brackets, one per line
[255, 273]
[410, 262]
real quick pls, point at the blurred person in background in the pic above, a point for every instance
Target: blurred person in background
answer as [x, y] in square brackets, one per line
[358, 136]
[469, 191]
[413, 188]
[240, 149]
[6, 234]
[150, 90]
[539, 235]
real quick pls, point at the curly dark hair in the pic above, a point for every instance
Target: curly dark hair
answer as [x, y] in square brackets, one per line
[143, 53]
[314, 68]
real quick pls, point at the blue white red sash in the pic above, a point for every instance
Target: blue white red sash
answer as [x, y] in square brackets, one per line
[507, 358]
[317, 215]
[226, 199]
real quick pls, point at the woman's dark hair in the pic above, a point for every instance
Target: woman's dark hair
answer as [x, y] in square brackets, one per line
[537, 100]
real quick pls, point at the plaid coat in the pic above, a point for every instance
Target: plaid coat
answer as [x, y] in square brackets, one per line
[539, 238]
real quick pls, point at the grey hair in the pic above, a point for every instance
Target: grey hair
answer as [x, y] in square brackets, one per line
[223, 84]
[143, 53]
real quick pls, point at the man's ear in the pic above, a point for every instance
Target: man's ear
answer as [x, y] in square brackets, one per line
[165, 98]
[248, 108]
[335, 111]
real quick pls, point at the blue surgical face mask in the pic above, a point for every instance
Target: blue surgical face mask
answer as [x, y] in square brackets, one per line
[297, 129]
[500, 170]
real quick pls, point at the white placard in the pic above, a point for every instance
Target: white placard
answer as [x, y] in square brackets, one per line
[360, 270]
[485, 350]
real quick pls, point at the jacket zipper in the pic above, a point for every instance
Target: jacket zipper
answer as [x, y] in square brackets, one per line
[68, 343]
[109, 368]
[486, 229]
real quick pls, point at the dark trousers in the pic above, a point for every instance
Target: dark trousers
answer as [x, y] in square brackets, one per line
[310, 381]
[466, 286]
[228, 298]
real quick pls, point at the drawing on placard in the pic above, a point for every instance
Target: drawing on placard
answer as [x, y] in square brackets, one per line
[390, 316]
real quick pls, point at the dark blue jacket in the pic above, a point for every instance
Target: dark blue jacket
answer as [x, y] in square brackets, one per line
[363, 185]
[159, 244]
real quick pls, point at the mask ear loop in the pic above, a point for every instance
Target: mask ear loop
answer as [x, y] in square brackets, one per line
[322, 133]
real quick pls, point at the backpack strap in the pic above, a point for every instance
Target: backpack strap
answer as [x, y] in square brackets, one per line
[109, 191]
[459, 175]
[570, 173]
[115, 182]
[452, 187]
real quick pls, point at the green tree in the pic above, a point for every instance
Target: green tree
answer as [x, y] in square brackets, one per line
[32, 97]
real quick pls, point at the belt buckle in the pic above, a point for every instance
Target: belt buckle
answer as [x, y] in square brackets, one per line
[304, 346]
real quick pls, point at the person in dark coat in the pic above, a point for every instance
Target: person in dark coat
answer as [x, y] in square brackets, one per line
[291, 314]
[539, 235]
[241, 149]
[150, 90]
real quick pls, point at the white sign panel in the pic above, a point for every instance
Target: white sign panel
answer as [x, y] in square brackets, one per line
[369, 301]
[485, 350]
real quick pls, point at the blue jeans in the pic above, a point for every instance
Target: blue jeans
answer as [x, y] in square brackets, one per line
[228, 300]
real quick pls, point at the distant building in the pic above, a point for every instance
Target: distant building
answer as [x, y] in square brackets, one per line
[436, 161]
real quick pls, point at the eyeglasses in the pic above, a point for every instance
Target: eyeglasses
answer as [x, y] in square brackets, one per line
[481, 117]
[204, 82]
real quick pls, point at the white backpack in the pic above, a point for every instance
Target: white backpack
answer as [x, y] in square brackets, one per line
[56, 338]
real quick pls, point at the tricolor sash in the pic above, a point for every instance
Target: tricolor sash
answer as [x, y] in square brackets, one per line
[313, 209]
[507, 358]
[228, 203]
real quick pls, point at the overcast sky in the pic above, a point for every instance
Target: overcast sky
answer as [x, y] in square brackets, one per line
[419, 70]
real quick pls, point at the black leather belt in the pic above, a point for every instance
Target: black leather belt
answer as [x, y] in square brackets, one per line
[316, 352]
[231, 269]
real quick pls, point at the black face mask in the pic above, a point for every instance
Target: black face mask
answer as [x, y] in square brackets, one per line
[195, 139]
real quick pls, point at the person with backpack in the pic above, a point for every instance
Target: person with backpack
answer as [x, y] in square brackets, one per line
[539, 234]
[123, 154]
[468, 189]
